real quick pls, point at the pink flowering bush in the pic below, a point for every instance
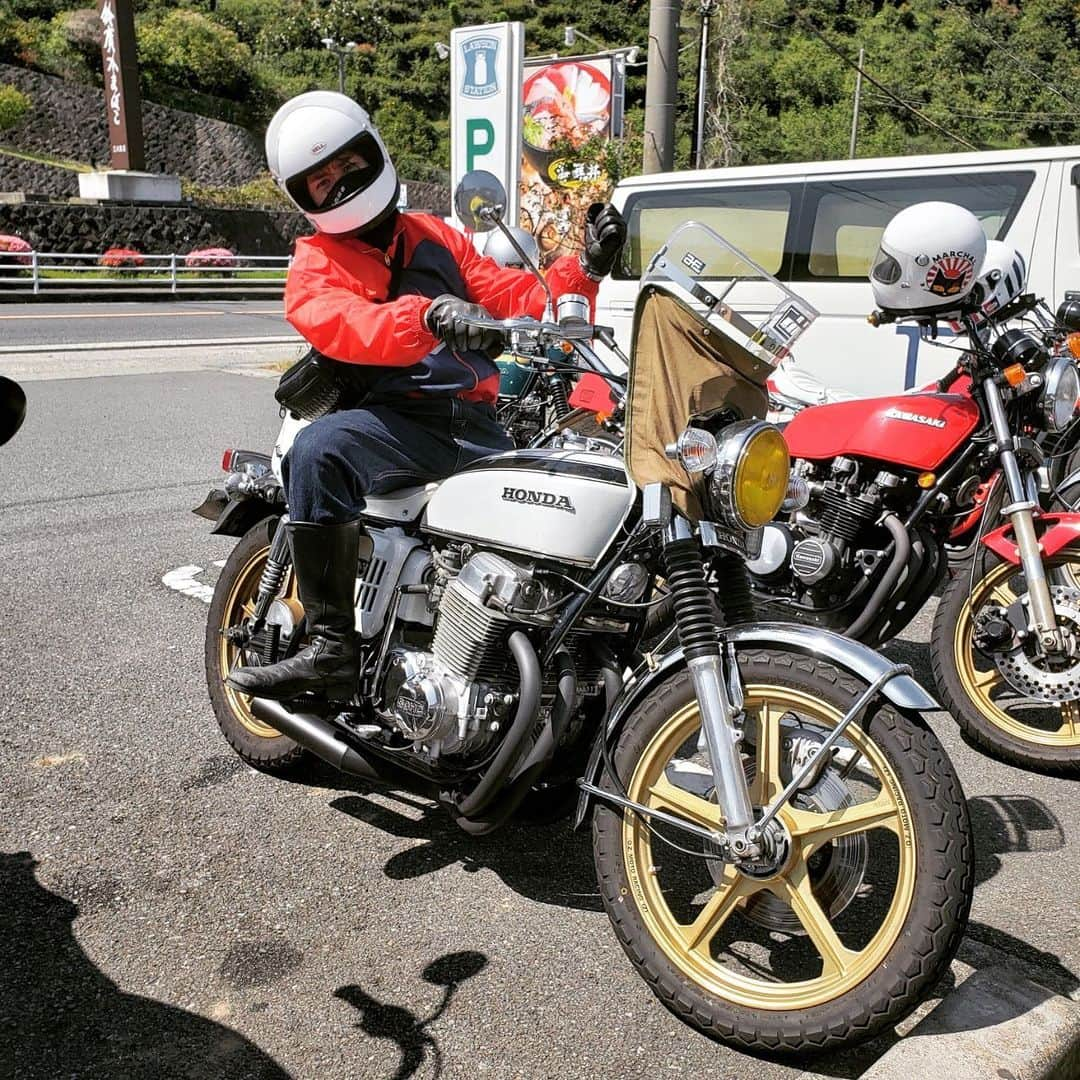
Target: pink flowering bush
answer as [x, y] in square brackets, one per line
[16, 249]
[119, 256]
[216, 257]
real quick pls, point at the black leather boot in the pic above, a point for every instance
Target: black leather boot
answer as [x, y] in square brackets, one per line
[325, 563]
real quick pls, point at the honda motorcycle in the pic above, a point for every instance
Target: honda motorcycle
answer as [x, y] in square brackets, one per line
[883, 486]
[781, 843]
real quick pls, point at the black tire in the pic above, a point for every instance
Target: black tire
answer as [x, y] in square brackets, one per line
[269, 751]
[940, 885]
[995, 737]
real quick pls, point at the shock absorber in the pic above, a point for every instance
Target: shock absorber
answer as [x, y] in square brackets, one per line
[733, 589]
[277, 564]
[560, 402]
[695, 615]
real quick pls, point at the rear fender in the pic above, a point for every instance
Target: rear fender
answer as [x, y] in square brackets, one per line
[1056, 531]
[233, 517]
[849, 656]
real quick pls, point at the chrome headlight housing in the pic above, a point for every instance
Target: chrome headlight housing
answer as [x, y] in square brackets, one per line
[1060, 392]
[751, 475]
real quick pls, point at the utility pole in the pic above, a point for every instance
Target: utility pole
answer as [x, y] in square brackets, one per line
[707, 9]
[661, 84]
[855, 110]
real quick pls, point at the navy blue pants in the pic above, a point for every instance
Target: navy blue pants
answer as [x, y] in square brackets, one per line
[341, 458]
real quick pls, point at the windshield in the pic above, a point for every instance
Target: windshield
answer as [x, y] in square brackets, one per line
[710, 326]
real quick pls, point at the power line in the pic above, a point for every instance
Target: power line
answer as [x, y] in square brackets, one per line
[1011, 55]
[1042, 118]
[875, 82]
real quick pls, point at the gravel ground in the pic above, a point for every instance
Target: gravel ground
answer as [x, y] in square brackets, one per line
[170, 913]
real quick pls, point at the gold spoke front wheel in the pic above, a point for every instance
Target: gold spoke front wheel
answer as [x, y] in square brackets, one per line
[698, 946]
[1013, 724]
[820, 938]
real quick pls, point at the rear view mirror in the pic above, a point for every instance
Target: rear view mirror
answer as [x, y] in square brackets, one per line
[12, 408]
[480, 200]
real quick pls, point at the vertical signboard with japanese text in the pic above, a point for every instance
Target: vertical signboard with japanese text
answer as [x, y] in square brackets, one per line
[123, 103]
[485, 104]
[570, 107]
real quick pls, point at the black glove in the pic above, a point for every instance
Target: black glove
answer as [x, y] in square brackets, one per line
[605, 234]
[446, 320]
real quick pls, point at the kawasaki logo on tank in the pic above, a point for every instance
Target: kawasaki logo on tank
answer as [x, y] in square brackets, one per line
[914, 418]
[538, 498]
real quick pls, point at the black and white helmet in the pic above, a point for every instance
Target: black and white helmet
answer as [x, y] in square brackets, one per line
[1002, 277]
[310, 130]
[927, 264]
[502, 251]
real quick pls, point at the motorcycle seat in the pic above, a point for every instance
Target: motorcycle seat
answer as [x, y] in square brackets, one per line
[405, 504]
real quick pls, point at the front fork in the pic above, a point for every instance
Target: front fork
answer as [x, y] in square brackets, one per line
[719, 701]
[1019, 510]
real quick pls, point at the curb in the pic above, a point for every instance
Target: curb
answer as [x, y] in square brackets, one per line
[997, 1025]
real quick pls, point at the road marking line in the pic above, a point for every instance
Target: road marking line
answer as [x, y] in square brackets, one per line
[143, 314]
[114, 346]
[182, 580]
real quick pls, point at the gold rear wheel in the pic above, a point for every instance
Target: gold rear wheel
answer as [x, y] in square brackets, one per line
[233, 603]
[820, 937]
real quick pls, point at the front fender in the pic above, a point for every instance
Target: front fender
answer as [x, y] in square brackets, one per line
[1055, 532]
[849, 656]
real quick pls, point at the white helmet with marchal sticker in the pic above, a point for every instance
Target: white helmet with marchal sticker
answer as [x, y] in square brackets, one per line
[928, 259]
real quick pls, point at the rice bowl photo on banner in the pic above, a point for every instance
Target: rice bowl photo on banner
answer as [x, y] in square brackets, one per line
[565, 129]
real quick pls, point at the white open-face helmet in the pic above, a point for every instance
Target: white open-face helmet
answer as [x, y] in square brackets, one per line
[1002, 277]
[929, 257]
[309, 130]
[502, 251]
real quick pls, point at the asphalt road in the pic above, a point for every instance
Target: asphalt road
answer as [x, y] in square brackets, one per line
[67, 323]
[168, 912]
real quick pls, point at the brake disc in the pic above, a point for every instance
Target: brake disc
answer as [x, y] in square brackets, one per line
[1026, 675]
[837, 871]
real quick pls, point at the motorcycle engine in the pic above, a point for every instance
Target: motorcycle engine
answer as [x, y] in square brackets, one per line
[457, 698]
[817, 545]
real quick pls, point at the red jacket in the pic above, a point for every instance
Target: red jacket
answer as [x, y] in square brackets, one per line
[336, 296]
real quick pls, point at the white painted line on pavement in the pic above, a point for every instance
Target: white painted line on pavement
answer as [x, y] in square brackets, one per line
[143, 314]
[182, 580]
[121, 315]
[112, 346]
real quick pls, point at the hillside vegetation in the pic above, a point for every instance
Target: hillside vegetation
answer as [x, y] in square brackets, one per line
[986, 72]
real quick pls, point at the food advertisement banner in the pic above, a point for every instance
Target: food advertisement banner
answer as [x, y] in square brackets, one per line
[568, 110]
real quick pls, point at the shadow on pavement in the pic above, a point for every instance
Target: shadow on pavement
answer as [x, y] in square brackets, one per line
[548, 863]
[61, 1016]
[381, 1020]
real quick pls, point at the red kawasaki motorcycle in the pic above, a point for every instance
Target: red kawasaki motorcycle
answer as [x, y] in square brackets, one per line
[878, 489]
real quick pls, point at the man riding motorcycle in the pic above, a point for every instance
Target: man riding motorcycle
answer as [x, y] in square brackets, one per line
[387, 294]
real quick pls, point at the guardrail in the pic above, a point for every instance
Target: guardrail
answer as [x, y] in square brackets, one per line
[35, 272]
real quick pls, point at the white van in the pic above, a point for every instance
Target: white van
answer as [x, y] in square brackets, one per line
[816, 227]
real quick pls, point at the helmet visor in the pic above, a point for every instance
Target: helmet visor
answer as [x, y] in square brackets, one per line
[886, 269]
[338, 176]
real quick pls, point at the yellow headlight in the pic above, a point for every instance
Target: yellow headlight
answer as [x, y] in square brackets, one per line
[751, 476]
[761, 477]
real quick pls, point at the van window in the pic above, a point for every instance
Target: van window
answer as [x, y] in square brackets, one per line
[753, 219]
[849, 216]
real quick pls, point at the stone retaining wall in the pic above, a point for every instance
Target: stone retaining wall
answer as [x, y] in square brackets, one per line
[61, 226]
[67, 120]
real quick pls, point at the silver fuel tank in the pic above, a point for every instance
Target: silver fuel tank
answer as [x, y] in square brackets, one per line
[565, 505]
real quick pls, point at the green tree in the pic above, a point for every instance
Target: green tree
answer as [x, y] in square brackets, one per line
[187, 49]
[14, 105]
